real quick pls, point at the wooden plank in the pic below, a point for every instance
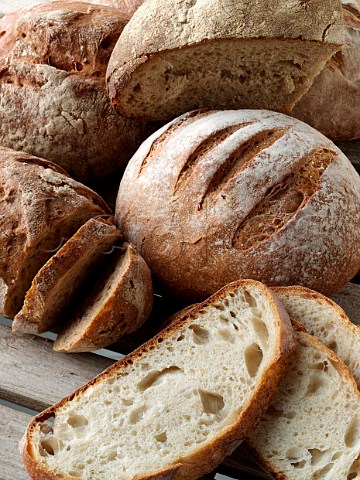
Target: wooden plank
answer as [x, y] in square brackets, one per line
[12, 428]
[349, 301]
[35, 376]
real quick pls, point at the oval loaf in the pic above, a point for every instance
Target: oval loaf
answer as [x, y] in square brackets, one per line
[54, 103]
[332, 105]
[40, 207]
[218, 195]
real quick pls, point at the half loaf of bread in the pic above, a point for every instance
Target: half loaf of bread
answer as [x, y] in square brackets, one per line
[312, 429]
[174, 56]
[118, 304]
[178, 404]
[326, 321]
[40, 207]
[57, 281]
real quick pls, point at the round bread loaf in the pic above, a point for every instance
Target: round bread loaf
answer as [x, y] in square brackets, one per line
[332, 105]
[40, 207]
[218, 195]
[54, 103]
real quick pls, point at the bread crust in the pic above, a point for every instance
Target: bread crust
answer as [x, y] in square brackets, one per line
[56, 282]
[332, 104]
[198, 223]
[40, 206]
[205, 459]
[53, 60]
[123, 310]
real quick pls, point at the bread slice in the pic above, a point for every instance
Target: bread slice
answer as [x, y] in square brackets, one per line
[175, 56]
[57, 281]
[178, 404]
[312, 429]
[324, 319]
[40, 207]
[119, 304]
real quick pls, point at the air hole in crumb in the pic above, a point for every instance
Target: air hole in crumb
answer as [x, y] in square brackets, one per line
[274, 412]
[161, 437]
[157, 377]
[225, 335]
[352, 436]
[316, 385]
[351, 476]
[200, 334]
[211, 402]
[253, 358]
[316, 455]
[23, 35]
[332, 345]
[250, 300]
[180, 338]
[322, 473]
[112, 456]
[260, 329]
[77, 421]
[137, 415]
[74, 473]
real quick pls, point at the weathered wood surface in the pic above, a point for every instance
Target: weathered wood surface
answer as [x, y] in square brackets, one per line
[349, 301]
[33, 375]
[12, 427]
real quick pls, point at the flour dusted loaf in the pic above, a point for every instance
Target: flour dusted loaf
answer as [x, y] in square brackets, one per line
[118, 304]
[172, 408]
[324, 319]
[62, 275]
[218, 195]
[312, 429]
[54, 103]
[174, 56]
[332, 105]
[40, 207]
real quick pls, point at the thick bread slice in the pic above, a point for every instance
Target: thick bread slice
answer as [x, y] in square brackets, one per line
[175, 56]
[312, 429]
[176, 406]
[324, 319]
[40, 206]
[57, 281]
[119, 304]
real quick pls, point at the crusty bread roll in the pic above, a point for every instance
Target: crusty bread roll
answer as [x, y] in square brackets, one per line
[54, 103]
[40, 207]
[332, 105]
[56, 283]
[176, 406]
[118, 303]
[312, 428]
[174, 56]
[218, 195]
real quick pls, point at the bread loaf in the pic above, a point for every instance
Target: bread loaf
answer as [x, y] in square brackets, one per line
[218, 195]
[54, 103]
[58, 280]
[172, 408]
[40, 207]
[174, 56]
[118, 304]
[312, 428]
[325, 320]
[332, 105]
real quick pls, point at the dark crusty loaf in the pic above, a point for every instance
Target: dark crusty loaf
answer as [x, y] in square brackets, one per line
[174, 56]
[40, 207]
[332, 105]
[54, 103]
[62, 275]
[176, 406]
[118, 304]
[218, 195]
[312, 429]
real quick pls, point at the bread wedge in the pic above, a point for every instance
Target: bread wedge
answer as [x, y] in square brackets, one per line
[175, 56]
[118, 304]
[40, 206]
[57, 281]
[312, 429]
[326, 321]
[177, 405]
